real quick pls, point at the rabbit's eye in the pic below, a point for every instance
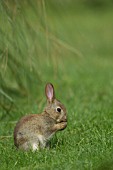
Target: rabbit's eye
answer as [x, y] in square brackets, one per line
[58, 109]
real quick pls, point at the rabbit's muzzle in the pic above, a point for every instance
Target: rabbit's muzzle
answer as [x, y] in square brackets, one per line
[62, 119]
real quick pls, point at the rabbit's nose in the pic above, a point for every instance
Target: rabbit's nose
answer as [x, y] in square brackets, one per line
[64, 118]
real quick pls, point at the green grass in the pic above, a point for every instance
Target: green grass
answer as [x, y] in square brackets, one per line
[76, 55]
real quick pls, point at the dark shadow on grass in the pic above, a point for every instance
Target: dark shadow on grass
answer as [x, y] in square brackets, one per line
[106, 166]
[55, 142]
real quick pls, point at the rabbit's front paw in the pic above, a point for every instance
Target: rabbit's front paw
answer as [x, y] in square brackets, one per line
[59, 126]
[62, 125]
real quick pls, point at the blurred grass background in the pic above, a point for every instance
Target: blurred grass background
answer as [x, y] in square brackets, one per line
[68, 43]
[39, 38]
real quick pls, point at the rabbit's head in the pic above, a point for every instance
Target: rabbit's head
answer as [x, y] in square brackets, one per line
[54, 108]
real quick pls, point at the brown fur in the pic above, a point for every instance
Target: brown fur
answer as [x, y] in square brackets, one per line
[35, 130]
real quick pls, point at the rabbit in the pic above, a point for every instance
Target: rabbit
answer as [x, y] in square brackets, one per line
[34, 131]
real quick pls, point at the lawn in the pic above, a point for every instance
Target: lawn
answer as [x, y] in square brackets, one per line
[73, 49]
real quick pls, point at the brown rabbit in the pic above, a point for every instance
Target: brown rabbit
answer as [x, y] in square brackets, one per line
[33, 131]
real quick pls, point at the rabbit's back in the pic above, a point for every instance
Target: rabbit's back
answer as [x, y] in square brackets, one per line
[32, 131]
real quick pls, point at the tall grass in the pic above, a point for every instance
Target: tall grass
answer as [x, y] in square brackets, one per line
[21, 44]
[24, 47]
[27, 46]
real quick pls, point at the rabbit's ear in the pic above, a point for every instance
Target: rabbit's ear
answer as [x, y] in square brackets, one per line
[49, 91]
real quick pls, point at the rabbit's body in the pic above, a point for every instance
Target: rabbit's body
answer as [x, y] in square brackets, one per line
[34, 131]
